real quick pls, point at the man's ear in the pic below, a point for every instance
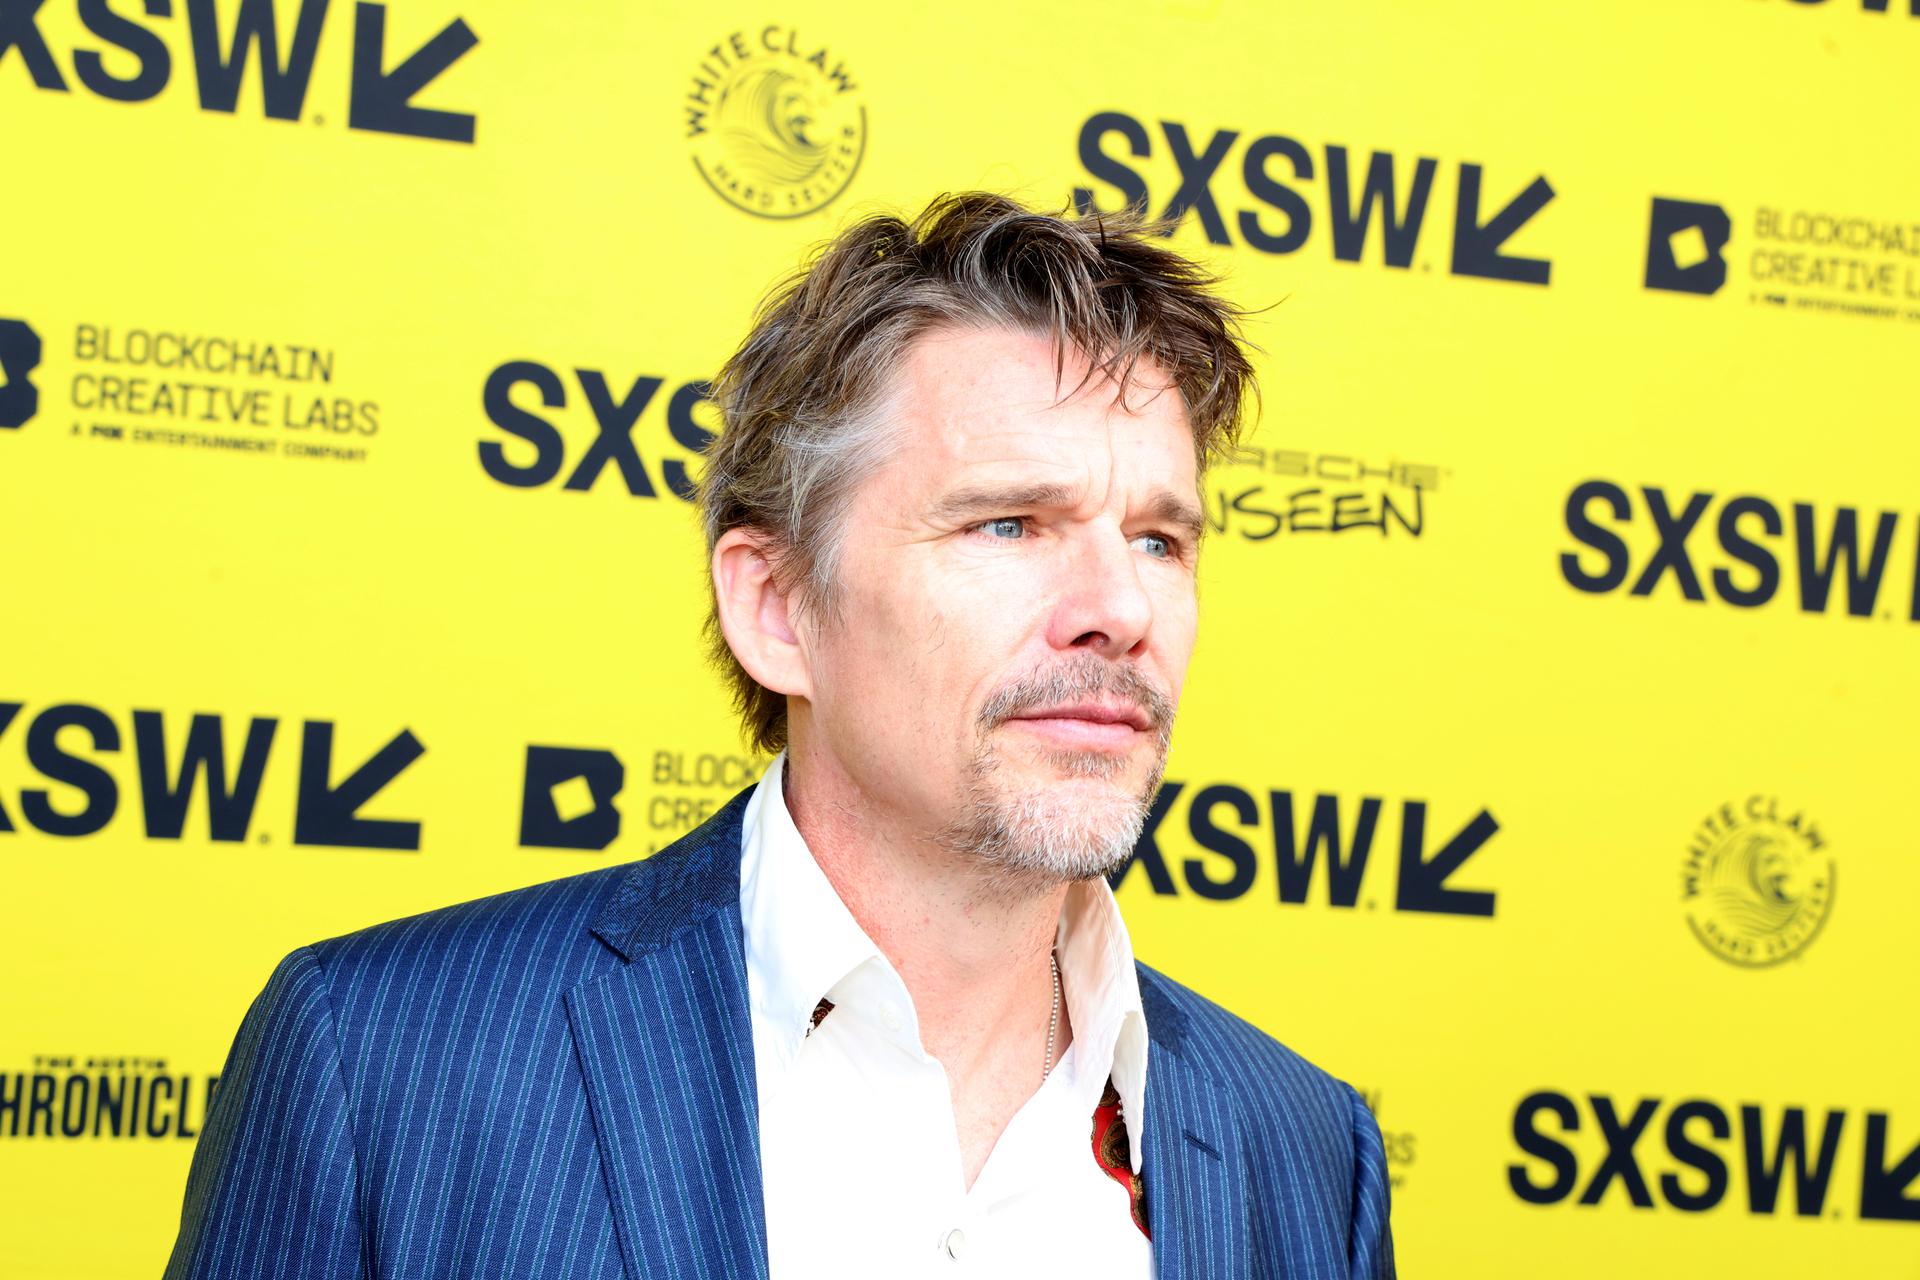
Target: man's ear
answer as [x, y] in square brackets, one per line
[756, 616]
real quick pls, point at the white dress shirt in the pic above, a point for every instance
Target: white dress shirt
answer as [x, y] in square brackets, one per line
[859, 1155]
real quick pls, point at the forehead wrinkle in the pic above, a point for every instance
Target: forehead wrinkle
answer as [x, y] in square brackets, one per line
[1157, 502]
[982, 433]
[1032, 456]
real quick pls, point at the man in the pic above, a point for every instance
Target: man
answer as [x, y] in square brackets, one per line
[880, 1015]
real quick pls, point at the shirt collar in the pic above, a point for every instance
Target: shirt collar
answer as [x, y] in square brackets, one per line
[800, 938]
[801, 941]
[1103, 999]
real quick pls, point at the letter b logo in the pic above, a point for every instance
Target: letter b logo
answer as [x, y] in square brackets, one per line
[19, 356]
[568, 801]
[1684, 240]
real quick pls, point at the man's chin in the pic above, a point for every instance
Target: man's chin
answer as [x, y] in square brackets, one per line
[1066, 826]
[1039, 756]
[1045, 813]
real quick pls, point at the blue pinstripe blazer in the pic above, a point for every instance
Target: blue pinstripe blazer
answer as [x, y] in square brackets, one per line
[558, 1081]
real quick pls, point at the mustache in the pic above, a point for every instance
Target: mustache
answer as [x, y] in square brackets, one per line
[1074, 679]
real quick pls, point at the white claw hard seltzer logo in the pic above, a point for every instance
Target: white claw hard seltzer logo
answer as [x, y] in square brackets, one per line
[1757, 882]
[775, 121]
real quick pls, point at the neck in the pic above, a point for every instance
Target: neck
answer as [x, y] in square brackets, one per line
[972, 951]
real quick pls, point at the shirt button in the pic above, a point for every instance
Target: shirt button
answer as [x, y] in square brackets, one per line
[890, 1017]
[955, 1243]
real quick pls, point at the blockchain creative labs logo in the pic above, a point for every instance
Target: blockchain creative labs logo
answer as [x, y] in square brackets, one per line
[222, 391]
[1757, 883]
[1686, 241]
[776, 124]
[1801, 258]
[19, 357]
[568, 800]
[572, 798]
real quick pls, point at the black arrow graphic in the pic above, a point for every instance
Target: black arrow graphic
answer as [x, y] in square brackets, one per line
[1423, 884]
[381, 101]
[326, 815]
[1883, 1191]
[1476, 246]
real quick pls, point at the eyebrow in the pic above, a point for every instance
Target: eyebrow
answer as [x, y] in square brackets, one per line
[1164, 506]
[1183, 514]
[962, 504]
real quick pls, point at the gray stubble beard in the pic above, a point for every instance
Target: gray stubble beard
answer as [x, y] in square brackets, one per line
[1029, 843]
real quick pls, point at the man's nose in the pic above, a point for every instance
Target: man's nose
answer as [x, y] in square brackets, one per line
[1101, 604]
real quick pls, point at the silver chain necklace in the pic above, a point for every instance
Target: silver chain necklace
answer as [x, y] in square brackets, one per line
[1053, 1023]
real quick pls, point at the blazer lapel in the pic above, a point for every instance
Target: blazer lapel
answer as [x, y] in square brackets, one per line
[1194, 1174]
[666, 1050]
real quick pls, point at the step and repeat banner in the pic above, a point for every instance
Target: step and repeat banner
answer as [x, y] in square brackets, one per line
[1560, 618]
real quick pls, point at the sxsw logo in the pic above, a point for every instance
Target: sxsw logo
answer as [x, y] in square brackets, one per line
[1685, 240]
[537, 452]
[326, 812]
[1691, 1153]
[1825, 562]
[1313, 840]
[133, 62]
[19, 356]
[1266, 199]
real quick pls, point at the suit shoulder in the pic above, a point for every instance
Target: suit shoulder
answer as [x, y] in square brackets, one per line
[533, 929]
[1256, 1068]
[529, 944]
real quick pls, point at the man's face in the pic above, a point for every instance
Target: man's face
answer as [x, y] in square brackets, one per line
[1015, 608]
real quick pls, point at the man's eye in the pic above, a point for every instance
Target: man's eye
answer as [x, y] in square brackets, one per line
[1157, 545]
[1008, 527]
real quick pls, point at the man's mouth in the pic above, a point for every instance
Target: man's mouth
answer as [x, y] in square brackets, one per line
[1094, 712]
[1087, 724]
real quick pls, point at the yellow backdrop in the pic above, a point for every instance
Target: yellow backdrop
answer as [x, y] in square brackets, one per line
[1560, 625]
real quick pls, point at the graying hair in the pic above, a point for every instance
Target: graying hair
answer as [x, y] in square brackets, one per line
[808, 401]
